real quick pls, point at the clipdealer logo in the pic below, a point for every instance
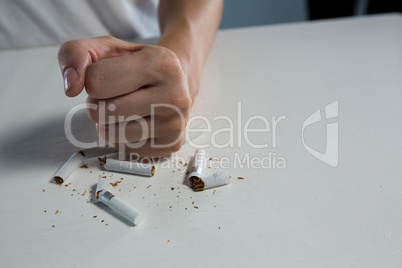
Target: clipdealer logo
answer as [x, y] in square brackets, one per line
[231, 136]
[330, 156]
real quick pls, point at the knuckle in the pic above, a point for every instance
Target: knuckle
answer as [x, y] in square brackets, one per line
[170, 66]
[176, 147]
[181, 100]
[164, 62]
[107, 37]
[176, 126]
[66, 49]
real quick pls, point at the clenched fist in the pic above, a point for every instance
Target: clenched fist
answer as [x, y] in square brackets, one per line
[139, 96]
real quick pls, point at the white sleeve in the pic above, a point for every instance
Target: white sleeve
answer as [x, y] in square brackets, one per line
[27, 23]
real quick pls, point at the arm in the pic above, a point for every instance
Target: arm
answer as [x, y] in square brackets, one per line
[188, 29]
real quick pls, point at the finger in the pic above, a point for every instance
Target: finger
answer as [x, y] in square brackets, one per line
[120, 109]
[119, 76]
[123, 132]
[77, 55]
[123, 108]
[141, 103]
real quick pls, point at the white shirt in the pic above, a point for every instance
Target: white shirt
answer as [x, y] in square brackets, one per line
[27, 23]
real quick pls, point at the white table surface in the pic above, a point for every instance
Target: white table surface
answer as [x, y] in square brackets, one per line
[308, 214]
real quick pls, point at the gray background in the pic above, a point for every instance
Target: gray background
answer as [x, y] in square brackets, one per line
[242, 13]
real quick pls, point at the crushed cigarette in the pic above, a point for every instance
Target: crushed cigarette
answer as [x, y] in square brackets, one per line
[196, 170]
[76, 160]
[130, 167]
[217, 179]
[102, 161]
[84, 166]
[197, 184]
[68, 168]
[101, 187]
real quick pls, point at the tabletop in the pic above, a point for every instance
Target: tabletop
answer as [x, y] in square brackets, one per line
[305, 118]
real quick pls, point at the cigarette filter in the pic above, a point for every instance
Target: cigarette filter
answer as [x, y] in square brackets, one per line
[121, 207]
[198, 163]
[69, 166]
[217, 179]
[103, 195]
[130, 167]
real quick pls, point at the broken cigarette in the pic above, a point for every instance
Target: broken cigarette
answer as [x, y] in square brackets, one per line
[69, 166]
[101, 187]
[198, 163]
[116, 204]
[196, 170]
[217, 179]
[130, 167]
[76, 160]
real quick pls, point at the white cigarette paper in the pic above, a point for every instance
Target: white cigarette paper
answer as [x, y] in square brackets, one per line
[130, 167]
[74, 162]
[77, 159]
[197, 165]
[103, 195]
[101, 187]
[217, 179]
[125, 210]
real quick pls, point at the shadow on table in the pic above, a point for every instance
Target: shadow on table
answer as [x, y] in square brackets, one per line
[45, 143]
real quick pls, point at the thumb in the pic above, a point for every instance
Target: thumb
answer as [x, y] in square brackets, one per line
[76, 56]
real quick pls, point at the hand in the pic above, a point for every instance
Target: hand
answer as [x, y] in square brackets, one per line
[124, 81]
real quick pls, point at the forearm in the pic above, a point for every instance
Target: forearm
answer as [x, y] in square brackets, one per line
[188, 29]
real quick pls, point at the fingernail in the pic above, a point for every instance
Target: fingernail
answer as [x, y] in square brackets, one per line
[70, 78]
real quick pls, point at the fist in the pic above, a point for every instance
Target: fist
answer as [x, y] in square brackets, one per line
[138, 95]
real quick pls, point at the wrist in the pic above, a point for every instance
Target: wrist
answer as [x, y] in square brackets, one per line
[183, 43]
